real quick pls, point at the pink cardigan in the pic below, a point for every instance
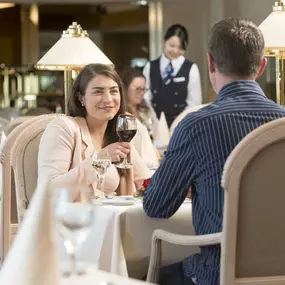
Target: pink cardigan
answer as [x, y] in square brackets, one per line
[65, 159]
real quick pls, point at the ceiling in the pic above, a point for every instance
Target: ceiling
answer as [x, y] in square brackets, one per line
[78, 2]
[104, 17]
[81, 8]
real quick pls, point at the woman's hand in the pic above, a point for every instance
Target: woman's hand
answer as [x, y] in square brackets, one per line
[118, 150]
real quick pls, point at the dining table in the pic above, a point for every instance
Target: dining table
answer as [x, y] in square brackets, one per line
[98, 277]
[119, 240]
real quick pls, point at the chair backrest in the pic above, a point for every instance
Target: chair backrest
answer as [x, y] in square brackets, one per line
[253, 247]
[181, 116]
[8, 199]
[14, 123]
[24, 161]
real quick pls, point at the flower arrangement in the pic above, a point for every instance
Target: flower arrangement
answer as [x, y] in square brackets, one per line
[140, 192]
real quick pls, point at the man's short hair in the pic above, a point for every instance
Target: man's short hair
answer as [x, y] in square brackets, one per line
[237, 47]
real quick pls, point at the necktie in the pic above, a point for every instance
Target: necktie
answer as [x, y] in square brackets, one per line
[168, 72]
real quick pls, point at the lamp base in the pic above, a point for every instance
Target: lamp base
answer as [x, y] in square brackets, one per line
[68, 83]
[279, 66]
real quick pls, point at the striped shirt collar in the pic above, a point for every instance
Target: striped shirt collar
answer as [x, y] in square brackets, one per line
[239, 88]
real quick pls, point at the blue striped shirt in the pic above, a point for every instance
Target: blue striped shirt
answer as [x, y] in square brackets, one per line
[196, 156]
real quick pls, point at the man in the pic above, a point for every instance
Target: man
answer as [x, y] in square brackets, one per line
[202, 142]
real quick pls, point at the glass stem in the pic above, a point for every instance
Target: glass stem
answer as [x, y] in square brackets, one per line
[101, 182]
[125, 162]
[73, 263]
[71, 250]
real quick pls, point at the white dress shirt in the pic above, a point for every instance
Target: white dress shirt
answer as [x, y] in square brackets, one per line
[194, 85]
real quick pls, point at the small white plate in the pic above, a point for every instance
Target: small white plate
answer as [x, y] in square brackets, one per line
[119, 201]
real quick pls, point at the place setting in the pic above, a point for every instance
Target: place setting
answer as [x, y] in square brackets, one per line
[101, 161]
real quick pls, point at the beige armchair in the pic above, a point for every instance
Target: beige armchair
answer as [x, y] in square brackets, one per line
[16, 122]
[8, 199]
[24, 161]
[252, 241]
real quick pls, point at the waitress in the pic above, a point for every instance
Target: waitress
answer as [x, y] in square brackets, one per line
[173, 81]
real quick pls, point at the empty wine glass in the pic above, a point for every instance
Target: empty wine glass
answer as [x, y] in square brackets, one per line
[149, 126]
[74, 221]
[101, 161]
[126, 130]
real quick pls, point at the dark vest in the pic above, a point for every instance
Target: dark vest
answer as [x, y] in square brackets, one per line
[170, 96]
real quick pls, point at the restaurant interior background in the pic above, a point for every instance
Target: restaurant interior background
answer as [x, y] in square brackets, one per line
[128, 32]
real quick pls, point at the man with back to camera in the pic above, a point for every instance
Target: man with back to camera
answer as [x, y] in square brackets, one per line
[204, 139]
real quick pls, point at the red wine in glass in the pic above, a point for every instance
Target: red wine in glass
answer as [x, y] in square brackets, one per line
[126, 130]
[126, 135]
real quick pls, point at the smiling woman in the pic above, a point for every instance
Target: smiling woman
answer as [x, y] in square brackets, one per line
[173, 81]
[68, 142]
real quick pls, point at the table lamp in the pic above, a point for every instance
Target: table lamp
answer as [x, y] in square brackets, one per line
[71, 53]
[274, 35]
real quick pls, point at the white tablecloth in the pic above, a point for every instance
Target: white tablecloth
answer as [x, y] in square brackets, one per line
[120, 239]
[100, 278]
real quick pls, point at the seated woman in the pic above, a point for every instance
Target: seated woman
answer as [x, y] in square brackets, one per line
[65, 152]
[135, 88]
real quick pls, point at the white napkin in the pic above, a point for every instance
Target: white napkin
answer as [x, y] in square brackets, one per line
[144, 145]
[33, 258]
[182, 115]
[162, 133]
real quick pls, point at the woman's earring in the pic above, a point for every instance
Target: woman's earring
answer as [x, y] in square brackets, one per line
[82, 104]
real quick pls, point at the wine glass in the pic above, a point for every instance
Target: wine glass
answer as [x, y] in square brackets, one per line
[148, 123]
[101, 161]
[126, 130]
[74, 221]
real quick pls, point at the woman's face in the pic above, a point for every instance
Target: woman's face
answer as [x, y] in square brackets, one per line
[136, 91]
[102, 98]
[172, 48]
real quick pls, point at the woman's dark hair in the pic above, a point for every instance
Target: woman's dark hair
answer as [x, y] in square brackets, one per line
[179, 31]
[128, 75]
[75, 108]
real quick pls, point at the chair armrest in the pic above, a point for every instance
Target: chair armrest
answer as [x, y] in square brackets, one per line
[161, 235]
[186, 240]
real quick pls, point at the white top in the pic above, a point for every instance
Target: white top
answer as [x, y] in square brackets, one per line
[194, 85]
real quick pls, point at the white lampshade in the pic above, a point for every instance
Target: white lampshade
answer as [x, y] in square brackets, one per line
[7, 5]
[273, 30]
[73, 50]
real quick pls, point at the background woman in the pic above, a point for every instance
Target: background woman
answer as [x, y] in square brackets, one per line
[68, 142]
[174, 81]
[135, 88]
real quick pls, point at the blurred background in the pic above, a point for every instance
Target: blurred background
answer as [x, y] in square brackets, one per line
[129, 32]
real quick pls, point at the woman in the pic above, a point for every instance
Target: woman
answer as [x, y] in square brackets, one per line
[68, 142]
[135, 88]
[173, 80]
